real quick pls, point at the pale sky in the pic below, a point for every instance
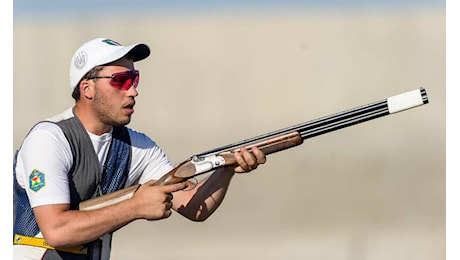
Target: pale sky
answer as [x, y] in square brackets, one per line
[52, 8]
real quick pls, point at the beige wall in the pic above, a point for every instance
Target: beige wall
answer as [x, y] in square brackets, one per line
[372, 191]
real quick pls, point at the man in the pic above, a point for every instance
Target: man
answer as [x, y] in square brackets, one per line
[87, 151]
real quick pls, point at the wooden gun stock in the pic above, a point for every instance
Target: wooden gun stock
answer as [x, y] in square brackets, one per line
[271, 142]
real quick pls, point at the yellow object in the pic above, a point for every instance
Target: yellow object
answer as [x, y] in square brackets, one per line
[40, 242]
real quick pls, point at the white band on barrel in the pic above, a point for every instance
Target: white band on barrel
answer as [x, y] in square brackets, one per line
[404, 101]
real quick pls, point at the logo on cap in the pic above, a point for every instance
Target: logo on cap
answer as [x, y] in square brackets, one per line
[111, 42]
[80, 60]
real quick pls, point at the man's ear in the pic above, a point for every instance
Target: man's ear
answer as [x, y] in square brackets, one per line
[87, 88]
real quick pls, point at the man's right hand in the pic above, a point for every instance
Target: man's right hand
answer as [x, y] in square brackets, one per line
[155, 202]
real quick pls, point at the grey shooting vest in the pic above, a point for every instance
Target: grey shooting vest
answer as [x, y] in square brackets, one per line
[86, 181]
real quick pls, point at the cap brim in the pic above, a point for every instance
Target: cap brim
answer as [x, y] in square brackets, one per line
[139, 52]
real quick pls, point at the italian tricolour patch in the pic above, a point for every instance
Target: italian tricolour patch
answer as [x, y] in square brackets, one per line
[36, 180]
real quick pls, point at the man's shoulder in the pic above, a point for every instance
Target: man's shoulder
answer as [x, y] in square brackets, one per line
[134, 134]
[45, 128]
[140, 139]
[44, 133]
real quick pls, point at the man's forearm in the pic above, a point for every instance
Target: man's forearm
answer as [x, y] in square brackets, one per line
[72, 228]
[206, 197]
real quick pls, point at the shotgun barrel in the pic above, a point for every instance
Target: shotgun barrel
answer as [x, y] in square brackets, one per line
[339, 120]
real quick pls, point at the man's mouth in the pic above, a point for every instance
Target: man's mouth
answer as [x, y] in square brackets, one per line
[129, 107]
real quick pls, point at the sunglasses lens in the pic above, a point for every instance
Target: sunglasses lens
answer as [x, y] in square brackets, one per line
[124, 80]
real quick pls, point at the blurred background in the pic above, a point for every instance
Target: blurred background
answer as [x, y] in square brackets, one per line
[220, 72]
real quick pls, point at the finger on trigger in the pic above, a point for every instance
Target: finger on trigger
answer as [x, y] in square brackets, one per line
[174, 187]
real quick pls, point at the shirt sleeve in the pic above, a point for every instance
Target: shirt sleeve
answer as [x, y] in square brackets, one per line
[42, 165]
[149, 162]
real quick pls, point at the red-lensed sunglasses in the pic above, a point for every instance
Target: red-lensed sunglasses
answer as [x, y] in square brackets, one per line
[122, 80]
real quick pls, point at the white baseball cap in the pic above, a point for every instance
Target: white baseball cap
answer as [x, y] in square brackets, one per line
[101, 51]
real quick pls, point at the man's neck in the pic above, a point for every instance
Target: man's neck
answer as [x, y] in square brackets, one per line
[90, 123]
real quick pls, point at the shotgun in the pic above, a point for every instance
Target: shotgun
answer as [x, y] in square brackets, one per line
[270, 143]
